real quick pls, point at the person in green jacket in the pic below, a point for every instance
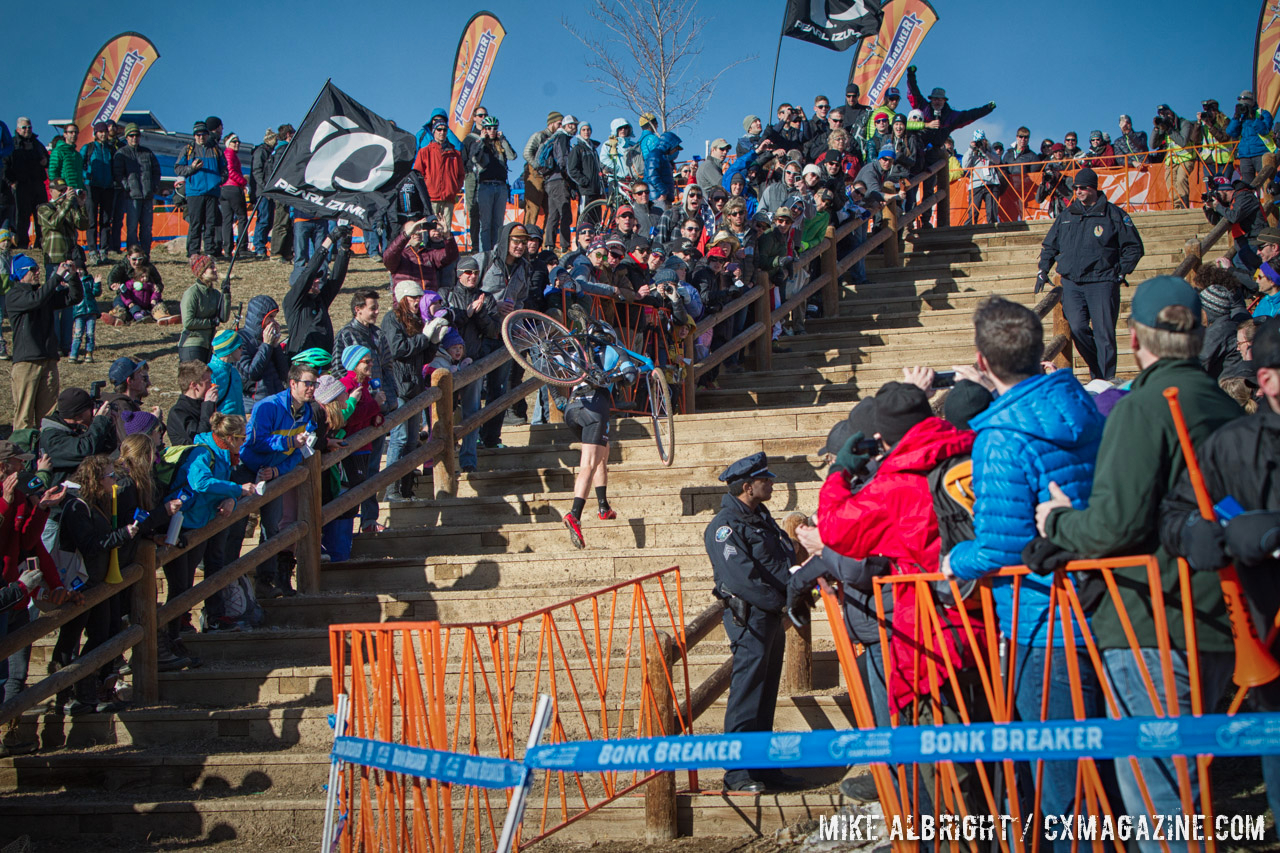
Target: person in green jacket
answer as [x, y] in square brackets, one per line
[203, 308]
[1139, 462]
[65, 162]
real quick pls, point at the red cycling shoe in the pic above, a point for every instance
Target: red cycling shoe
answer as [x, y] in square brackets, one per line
[606, 515]
[575, 531]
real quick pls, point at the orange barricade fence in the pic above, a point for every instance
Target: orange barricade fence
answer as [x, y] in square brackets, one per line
[952, 666]
[612, 661]
[1137, 187]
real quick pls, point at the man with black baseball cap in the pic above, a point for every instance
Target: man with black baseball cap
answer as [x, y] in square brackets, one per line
[751, 558]
[1139, 463]
[1096, 247]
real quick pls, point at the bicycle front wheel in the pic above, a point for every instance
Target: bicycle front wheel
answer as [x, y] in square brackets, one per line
[663, 415]
[544, 348]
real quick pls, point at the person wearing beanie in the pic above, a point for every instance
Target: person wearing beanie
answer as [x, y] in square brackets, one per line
[1096, 247]
[204, 307]
[264, 208]
[226, 372]
[874, 520]
[452, 355]
[76, 429]
[439, 162]
[190, 415]
[1140, 464]
[137, 173]
[554, 167]
[232, 212]
[487, 155]
[203, 168]
[423, 251]
[1222, 298]
[32, 307]
[535, 191]
[412, 344]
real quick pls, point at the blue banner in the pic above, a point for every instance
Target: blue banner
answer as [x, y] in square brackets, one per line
[1243, 734]
[1065, 740]
[449, 767]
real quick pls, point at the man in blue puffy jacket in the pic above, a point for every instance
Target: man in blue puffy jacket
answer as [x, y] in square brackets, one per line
[1251, 125]
[204, 170]
[1042, 428]
[659, 168]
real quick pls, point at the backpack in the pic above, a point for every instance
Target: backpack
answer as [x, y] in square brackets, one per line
[544, 162]
[240, 604]
[172, 460]
[951, 487]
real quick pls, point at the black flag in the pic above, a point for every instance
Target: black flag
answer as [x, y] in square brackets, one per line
[834, 24]
[344, 162]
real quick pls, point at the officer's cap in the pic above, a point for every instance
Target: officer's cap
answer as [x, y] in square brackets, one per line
[753, 467]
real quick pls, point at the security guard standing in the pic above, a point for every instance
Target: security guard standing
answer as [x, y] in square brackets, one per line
[751, 557]
[1096, 247]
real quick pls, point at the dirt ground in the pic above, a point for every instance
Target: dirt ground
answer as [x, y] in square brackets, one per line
[159, 344]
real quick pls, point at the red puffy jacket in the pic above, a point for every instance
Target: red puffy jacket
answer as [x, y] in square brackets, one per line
[21, 524]
[441, 170]
[892, 516]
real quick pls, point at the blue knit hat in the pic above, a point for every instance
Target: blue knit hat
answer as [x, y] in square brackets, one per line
[20, 266]
[351, 356]
[452, 338]
[225, 343]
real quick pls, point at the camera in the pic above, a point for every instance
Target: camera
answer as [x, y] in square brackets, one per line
[869, 446]
[944, 379]
[95, 390]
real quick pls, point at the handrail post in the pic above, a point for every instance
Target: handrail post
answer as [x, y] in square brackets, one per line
[690, 371]
[660, 794]
[797, 661]
[309, 510]
[762, 354]
[146, 675]
[944, 204]
[830, 293]
[445, 471]
[1066, 358]
[892, 218]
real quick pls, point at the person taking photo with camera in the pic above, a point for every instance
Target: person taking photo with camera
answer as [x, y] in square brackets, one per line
[1251, 125]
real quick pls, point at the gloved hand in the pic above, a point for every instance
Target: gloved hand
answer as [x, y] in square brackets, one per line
[1044, 558]
[436, 329]
[738, 609]
[31, 579]
[1204, 544]
[911, 69]
[1252, 537]
[848, 459]
[991, 104]
[1042, 279]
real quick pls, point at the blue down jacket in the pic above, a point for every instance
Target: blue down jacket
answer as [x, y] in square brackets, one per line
[1044, 429]
[659, 166]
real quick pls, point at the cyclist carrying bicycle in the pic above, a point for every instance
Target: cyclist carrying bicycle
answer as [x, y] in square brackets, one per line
[588, 410]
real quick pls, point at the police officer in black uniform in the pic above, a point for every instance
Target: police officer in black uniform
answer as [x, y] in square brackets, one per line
[1096, 247]
[751, 557]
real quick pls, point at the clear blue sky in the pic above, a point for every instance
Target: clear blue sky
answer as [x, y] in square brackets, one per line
[1052, 66]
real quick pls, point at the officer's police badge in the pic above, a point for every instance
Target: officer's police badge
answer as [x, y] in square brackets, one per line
[723, 533]
[1097, 230]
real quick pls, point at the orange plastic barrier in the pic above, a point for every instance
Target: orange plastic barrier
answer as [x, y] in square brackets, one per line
[473, 688]
[997, 788]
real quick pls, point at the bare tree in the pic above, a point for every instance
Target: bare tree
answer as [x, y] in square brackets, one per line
[646, 61]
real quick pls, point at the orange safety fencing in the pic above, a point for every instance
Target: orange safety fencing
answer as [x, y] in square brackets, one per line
[611, 660]
[984, 690]
[1137, 187]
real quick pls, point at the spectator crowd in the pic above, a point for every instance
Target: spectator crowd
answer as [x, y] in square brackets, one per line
[88, 472]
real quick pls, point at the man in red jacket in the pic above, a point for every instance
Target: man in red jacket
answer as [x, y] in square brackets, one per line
[440, 165]
[893, 516]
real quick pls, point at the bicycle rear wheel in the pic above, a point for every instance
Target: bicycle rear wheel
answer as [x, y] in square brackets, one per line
[663, 415]
[601, 212]
[544, 348]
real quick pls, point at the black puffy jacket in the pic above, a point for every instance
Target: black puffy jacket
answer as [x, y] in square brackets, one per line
[409, 354]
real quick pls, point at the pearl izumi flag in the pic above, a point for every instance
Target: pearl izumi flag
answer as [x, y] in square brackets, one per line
[477, 50]
[112, 78]
[834, 24]
[345, 161]
[882, 62]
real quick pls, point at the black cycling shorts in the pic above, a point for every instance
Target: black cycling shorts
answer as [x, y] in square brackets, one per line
[591, 416]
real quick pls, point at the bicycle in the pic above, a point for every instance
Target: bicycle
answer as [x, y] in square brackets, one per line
[604, 211]
[563, 358]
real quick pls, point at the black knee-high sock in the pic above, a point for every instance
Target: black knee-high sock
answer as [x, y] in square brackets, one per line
[602, 498]
[578, 504]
